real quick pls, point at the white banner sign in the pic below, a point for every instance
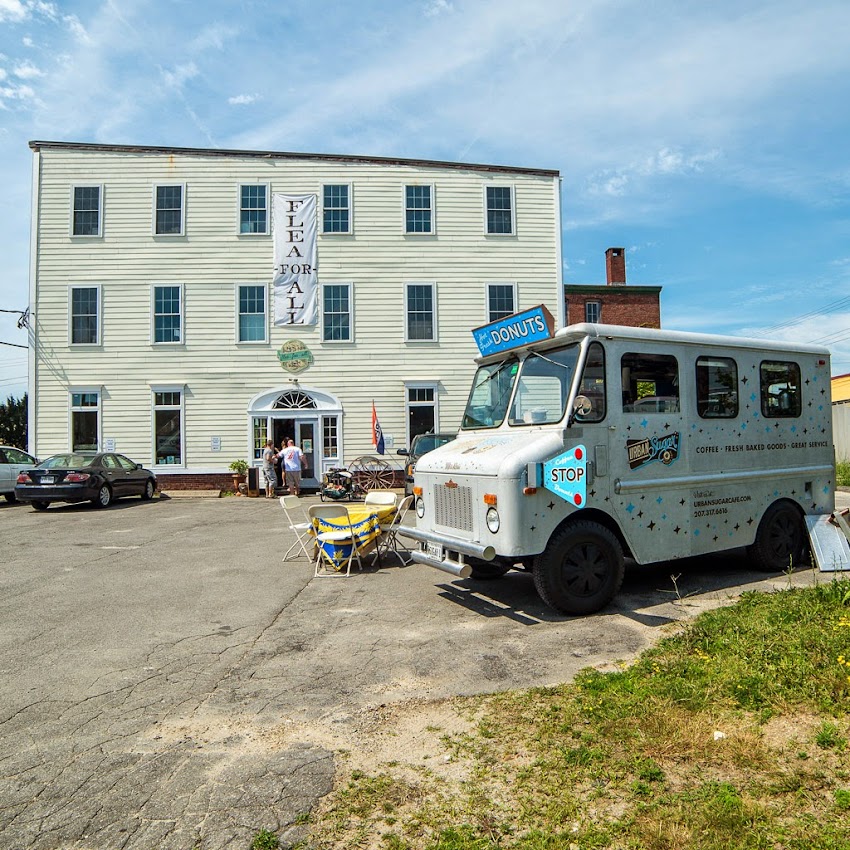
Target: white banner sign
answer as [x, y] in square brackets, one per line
[295, 281]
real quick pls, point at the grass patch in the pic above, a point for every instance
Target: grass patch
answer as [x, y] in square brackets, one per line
[731, 733]
[842, 474]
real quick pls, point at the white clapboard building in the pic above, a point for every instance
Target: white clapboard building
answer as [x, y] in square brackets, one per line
[188, 304]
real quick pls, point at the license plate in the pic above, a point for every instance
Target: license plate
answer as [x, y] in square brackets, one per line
[435, 550]
[46, 479]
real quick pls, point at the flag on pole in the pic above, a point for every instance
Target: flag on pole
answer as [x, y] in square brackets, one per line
[377, 433]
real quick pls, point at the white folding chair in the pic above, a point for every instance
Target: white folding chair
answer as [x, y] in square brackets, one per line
[388, 541]
[301, 528]
[380, 497]
[343, 536]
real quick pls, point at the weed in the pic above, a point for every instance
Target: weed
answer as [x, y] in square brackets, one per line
[265, 840]
[828, 737]
[842, 799]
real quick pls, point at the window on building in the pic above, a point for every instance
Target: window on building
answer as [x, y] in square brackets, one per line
[168, 215]
[336, 312]
[252, 305]
[420, 311]
[501, 301]
[86, 214]
[336, 208]
[780, 389]
[330, 437]
[418, 209]
[167, 313]
[85, 315]
[85, 420]
[168, 427]
[650, 383]
[500, 210]
[253, 208]
[422, 414]
[717, 387]
[259, 431]
[593, 311]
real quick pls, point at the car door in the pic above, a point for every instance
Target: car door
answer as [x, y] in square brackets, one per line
[134, 478]
[114, 474]
[13, 462]
[6, 485]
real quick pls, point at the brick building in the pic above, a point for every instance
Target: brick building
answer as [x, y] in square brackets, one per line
[615, 303]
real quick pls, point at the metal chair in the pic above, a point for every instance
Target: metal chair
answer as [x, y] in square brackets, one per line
[302, 528]
[380, 497]
[342, 537]
[388, 541]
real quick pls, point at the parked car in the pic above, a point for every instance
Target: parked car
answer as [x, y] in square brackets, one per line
[12, 462]
[422, 444]
[96, 477]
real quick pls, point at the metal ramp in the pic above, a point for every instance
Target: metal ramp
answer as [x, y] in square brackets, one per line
[830, 536]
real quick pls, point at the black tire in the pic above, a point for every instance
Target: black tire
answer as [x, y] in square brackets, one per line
[322, 495]
[11, 498]
[780, 542]
[487, 570]
[581, 569]
[41, 506]
[103, 498]
[150, 489]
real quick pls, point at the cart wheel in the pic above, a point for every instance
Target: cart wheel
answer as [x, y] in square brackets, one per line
[372, 473]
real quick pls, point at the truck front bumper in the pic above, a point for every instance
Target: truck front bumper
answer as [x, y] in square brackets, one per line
[445, 553]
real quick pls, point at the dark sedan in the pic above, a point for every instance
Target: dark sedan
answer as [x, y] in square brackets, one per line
[96, 477]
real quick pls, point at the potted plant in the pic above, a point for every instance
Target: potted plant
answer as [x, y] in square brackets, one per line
[239, 468]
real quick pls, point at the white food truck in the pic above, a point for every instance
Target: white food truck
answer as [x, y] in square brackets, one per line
[584, 446]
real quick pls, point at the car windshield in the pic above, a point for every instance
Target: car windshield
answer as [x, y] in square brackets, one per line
[490, 394]
[428, 442]
[71, 461]
[543, 387]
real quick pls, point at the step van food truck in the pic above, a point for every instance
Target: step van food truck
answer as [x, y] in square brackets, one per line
[581, 447]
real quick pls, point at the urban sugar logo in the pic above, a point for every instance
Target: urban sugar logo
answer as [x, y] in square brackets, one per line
[566, 476]
[642, 452]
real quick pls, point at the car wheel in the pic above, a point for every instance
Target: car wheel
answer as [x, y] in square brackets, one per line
[780, 540]
[150, 487]
[581, 569]
[40, 506]
[104, 497]
[11, 497]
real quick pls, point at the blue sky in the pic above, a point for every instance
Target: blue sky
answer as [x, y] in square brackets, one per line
[710, 139]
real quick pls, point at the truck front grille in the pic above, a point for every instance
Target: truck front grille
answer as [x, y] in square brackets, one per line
[453, 507]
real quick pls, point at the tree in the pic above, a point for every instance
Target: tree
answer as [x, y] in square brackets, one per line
[13, 422]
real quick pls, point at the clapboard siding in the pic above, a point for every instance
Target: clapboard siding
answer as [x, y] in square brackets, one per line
[212, 258]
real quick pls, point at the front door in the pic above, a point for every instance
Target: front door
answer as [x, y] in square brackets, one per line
[305, 437]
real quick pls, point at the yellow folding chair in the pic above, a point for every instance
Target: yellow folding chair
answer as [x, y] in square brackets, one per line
[336, 542]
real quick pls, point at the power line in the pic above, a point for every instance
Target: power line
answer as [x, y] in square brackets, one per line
[13, 344]
[841, 302]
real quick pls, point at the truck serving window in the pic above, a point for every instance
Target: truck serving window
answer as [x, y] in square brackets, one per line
[717, 387]
[543, 387]
[490, 394]
[780, 389]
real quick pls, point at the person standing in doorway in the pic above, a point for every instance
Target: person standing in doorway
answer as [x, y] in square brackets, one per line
[269, 473]
[293, 462]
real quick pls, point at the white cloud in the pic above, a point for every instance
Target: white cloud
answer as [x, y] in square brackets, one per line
[243, 99]
[213, 36]
[13, 10]
[179, 75]
[27, 41]
[438, 7]
[77, 29]
[27, 71]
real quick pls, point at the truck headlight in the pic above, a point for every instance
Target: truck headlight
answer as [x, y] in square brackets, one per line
[420, 507]
[493, 520]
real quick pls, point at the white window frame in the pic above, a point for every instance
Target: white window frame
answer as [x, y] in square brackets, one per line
[350, 230]
[598, 306]
[236, 308]
[239, 208]
[421, 385]
[433, 208]
[436, 334]
[99, 234]
[72, 409]
[168, 388]
[98, 289]
[182, 211]
[512, 189]
[491, 283]
[182, 314]
[350, 286]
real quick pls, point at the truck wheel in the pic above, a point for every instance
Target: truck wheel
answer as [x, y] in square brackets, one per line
[780, 540]
[487, 570]
[581, 569]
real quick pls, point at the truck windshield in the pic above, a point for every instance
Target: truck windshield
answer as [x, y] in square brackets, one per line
[543, 387]
[490, 394]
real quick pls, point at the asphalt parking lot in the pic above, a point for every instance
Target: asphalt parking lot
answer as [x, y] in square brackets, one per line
[165, 677]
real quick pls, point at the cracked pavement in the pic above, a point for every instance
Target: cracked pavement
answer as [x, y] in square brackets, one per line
[162, 668]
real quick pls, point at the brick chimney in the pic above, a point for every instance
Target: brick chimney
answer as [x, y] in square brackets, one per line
[615, 266]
